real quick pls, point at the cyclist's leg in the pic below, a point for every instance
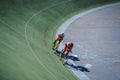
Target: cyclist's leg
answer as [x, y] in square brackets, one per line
[62, 54]
[56, 44]
[53, 44]
[66, 55]
[53, 47]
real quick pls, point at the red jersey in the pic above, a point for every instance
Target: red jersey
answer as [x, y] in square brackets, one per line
[59, 37]
[68, 47]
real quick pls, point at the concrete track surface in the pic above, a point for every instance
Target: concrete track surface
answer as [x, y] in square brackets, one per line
[97, 43]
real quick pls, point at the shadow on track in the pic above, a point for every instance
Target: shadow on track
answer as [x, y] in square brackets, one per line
[68, 57]
[81, 68]
[73, 58]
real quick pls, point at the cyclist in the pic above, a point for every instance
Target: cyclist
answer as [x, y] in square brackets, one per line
[67, 48]
[57, 41]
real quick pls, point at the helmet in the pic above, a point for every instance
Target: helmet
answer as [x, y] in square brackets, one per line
[70, 43]
[62, 34]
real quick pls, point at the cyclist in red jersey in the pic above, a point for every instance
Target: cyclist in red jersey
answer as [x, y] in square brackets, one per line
[59, 38]
[67, 48]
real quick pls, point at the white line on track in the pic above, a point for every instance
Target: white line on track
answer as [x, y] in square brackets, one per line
[66, 24]
[26, 37]
[4, 23]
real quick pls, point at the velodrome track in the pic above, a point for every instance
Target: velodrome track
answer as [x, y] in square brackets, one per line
[96, 35]
[26, 37]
